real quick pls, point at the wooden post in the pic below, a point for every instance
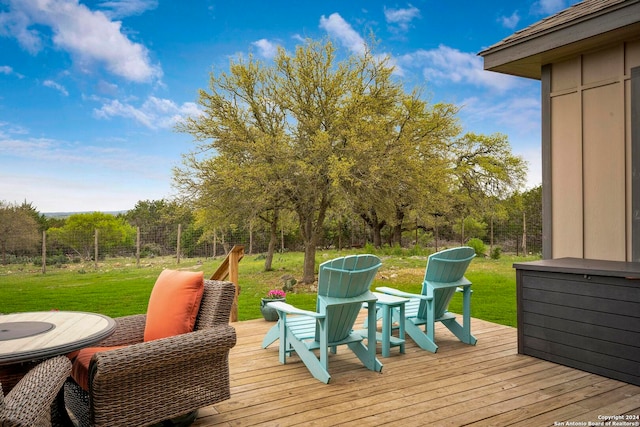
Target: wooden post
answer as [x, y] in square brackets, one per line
[138, 247]
[491, 241]
[178, 243]
[95, 248]
[44, 252]
[524, 233]
[215, 243]
[229, 268]
[233, 277]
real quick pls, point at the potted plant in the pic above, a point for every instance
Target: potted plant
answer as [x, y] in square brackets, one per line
[270, 314]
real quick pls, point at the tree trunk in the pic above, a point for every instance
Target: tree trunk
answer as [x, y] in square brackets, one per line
[376, 227]
[397, 235]
[309, 238]
[309, 273]
[272, 243]
[376, 234]
[397, 229]
[311, 226]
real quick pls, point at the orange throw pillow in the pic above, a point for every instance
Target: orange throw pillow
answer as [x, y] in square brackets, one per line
[80, 367]
[173, 304]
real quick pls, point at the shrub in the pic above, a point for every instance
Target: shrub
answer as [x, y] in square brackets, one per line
[496, 252]
[478, 246]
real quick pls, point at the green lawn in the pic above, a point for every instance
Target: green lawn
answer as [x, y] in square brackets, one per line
[117, 287]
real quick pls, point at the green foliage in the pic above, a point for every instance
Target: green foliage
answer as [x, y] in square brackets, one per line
[418, 250]
[56, 260]
[496, 252]
[19, 230]
[160, 219]
[478, 246]
[471, 227]
[79, 233]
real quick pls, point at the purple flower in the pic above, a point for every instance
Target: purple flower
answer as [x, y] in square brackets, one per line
[276, 294]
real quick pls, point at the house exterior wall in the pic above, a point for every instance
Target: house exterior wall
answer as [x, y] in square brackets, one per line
[589, 146]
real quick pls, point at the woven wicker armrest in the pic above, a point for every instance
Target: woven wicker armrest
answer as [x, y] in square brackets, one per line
[129, 330]
[180, 373]
[30, 400]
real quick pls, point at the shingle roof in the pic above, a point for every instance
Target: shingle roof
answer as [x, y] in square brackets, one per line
[584, 10]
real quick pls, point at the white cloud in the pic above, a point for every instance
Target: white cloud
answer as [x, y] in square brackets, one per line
[547, 7]
[89, 36]
[154, 113]
[39, 172]
[60, 152]
[16, 24]
[399, 19]
[56, 86]
[267, 49]
[123, 8]
[8, 128]
[510, 21]
[337, 27]
[446, 64]
[499, 113]
[9, 71]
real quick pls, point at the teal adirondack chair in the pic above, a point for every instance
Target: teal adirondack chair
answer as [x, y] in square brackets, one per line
[343, 287]
[444, 276]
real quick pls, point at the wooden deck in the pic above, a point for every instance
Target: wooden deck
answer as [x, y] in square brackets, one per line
[482, 385]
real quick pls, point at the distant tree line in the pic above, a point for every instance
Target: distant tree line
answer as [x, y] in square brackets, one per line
[515, 227]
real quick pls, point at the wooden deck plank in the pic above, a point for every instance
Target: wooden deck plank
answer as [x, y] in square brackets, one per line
[486, 384]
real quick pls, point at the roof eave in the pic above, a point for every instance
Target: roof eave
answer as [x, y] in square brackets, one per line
[525, 57]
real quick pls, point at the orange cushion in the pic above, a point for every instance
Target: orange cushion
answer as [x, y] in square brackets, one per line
[80, 366]
[173, 304]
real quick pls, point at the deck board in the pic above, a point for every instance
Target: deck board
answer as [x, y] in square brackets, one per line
[482, 385]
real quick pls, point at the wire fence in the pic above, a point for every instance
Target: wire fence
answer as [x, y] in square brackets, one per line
[512, 237]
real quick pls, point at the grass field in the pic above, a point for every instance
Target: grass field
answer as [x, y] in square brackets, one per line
[117, 287]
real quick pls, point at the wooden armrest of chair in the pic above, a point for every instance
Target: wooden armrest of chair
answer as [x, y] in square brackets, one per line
[398, 293]
[290, 309]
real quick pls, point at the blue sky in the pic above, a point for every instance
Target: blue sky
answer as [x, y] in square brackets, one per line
[90, 90]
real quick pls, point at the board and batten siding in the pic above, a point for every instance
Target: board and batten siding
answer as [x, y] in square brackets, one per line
[589, 145]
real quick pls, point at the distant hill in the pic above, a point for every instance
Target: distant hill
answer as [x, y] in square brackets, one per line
[68, 214]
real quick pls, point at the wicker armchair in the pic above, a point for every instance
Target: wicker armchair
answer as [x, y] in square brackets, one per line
[150, 382]
[29, 403]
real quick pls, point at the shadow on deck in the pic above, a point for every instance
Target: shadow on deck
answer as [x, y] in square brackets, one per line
[486, 384]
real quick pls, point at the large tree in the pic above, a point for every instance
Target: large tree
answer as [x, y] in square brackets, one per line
[158, 221]
[290, 134]
[78, 233]
[484, 170]
[19, 229]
